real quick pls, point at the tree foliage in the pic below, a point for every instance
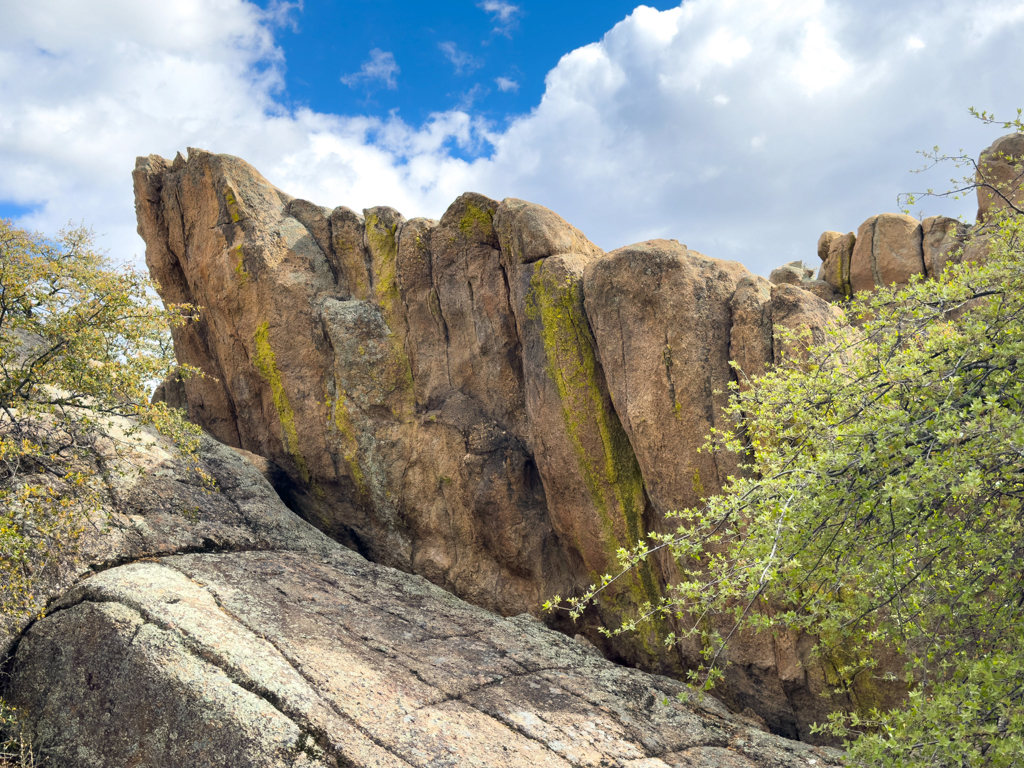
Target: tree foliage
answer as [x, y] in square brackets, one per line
[81, 345]
[882, 507]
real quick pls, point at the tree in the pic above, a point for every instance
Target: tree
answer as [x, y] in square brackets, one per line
[81, 345]
[882, 506]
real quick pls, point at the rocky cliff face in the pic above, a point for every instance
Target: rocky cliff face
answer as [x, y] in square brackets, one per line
[212, 626]
[488, 400]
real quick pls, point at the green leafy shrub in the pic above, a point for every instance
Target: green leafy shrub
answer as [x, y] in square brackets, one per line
[81, 345]
[882, 507]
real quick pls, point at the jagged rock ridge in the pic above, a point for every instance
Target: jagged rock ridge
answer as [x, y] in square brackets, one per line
[488, 400]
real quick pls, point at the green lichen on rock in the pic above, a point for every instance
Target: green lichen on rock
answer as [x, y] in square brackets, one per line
[843, 266]
[266, 364]
[613, 478]
[229, 198]
[350, 446]
[856, 677]
[243, 276]
[384, 252]
[698, 485]
[475, 217]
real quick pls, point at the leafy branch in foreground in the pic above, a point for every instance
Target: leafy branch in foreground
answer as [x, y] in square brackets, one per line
[80, 345]
[882, 507]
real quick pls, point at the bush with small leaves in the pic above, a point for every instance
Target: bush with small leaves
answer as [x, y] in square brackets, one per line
[882, 507]
[81, 344]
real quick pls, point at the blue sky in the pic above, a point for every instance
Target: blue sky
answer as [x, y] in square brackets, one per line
[743, 128]
[488, 57]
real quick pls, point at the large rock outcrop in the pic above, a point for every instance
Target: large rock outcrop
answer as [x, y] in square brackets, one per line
[488, 400]
[212, 626]
[892, 248]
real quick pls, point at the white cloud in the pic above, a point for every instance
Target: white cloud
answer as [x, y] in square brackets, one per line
[914, 43]
[463, 61]
[470, 97]
[819, 65]
[84, 90]
[380, 66]
[506, 84]
[629, 141]
[505, 15]
[501, 11]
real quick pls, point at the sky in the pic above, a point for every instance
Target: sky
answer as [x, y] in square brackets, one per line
[743, 128]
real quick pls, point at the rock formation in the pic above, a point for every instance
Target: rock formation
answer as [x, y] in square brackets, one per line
[799, 274]
[488, 400]
[891, 248]
[212, 626]
[999, 176]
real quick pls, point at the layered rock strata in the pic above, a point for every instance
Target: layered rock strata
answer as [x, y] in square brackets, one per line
[488, 400]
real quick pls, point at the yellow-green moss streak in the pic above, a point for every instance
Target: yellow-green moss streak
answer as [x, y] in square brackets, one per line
[384, 249]
[229, 198]
[243, 276]
[666, 358]
[843, 276]
[836, 664]
[350, 446]
[572, 366]
[474, 215]
[266, 364]
[698, 486]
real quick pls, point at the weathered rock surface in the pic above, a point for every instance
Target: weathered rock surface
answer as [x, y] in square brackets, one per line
[941, 238]
[161, 504]
[793, 273]
[217, 628]
[835, 268]
[661, 316]
[454, 398]
[892, 248]
[825, 243]
[1000, 176]
[797, 273]
[887, 250]
[806, 318]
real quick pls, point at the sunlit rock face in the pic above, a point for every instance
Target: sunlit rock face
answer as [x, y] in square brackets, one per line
[201, 622]
[891, 249]
[489, 400]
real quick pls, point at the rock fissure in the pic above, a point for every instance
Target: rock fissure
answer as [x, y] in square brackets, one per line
[320, 734]
[875, 248]
[189, 643]
[323, 738]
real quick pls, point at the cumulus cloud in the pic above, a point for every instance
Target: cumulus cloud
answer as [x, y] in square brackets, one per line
[744, 129]
[463, 61]
[86, 88]
[381, 67]
[824, 110]
[506, 84]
